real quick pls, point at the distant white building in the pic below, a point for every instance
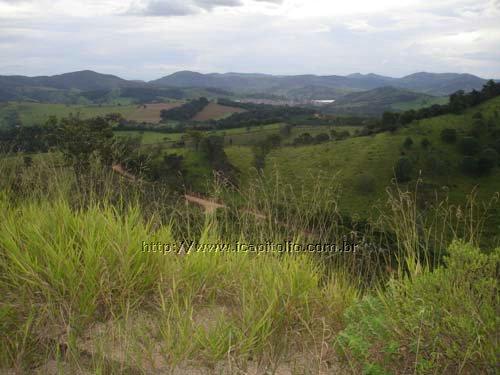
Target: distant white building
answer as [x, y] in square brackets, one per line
[322, 101]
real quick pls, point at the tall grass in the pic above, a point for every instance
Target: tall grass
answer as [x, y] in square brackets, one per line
[80, 288]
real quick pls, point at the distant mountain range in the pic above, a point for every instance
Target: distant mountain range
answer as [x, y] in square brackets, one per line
[428, 83]
[298, 87]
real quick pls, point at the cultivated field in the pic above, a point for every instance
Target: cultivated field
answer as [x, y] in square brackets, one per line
[214, 111]
[150, 113]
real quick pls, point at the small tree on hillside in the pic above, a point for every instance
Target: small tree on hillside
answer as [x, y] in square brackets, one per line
[322, 137]
[488, 159]
[425, 143]
[403, 169]
[469, 146]
[408, 142]
[196, 137]
[286, 130]
[449, 135]
[469, 166]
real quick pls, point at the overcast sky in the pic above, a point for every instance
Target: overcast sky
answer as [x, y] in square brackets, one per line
[147, 39]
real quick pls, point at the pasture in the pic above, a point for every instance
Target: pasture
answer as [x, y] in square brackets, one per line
[347, 161]
[38, 113]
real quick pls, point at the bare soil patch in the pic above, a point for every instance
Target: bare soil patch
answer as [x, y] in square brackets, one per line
[151, 112]
[214, 111]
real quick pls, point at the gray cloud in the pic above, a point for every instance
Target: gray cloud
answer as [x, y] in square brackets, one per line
[169, 8]
[307, 36]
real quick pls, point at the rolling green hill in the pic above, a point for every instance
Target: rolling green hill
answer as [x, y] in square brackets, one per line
[375, 102]
[352, 162]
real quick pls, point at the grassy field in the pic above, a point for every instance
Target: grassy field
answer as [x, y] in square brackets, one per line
[94, 295]
[151, 137]
[238, 136]
[419, 103]
[37, 113]
[375, 156]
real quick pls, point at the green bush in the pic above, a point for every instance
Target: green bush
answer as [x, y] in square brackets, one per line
[469, 146]
[322, 137]
[449, 135]
[438, 322]
[403, 169]
[469, 166]
[496, 145]
[425, 143]
[408, 142]
[488, 159]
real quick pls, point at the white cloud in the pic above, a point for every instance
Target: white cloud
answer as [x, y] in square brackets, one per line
[392, 37]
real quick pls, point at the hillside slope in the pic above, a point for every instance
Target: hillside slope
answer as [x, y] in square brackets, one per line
[376, 101]
[347, 162]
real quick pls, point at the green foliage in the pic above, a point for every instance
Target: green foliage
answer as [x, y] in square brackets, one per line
[459, 101]
[469, 146]
[286, 130]
[321, 137]
[78, 139]
[259, 114]
[262, 148]
[425, 143]
[186, 111]
[408, 142]
[449, 135]
[403, 169]
[213, 148]
[487, 160]
[440, 321]
[469, 166]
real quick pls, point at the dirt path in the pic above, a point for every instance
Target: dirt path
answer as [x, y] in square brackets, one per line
[118, 168]
[208, 205]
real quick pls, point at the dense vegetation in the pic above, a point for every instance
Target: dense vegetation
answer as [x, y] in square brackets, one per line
[106, 266]
[186, 111]
[96, 288]
[459, 101]
[260, 115]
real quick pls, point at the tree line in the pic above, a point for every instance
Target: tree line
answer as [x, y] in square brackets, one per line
[186, 111]
[459, 101]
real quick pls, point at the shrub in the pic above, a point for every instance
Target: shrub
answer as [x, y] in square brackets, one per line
[403, 169]
[469, 146]
[303, 139]
[449, 135]
[425, 143]
[488, 159]
[408, 142]
[469, 166]
[436, 165]
[453, 330]
[322, 137]
[496, 145]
